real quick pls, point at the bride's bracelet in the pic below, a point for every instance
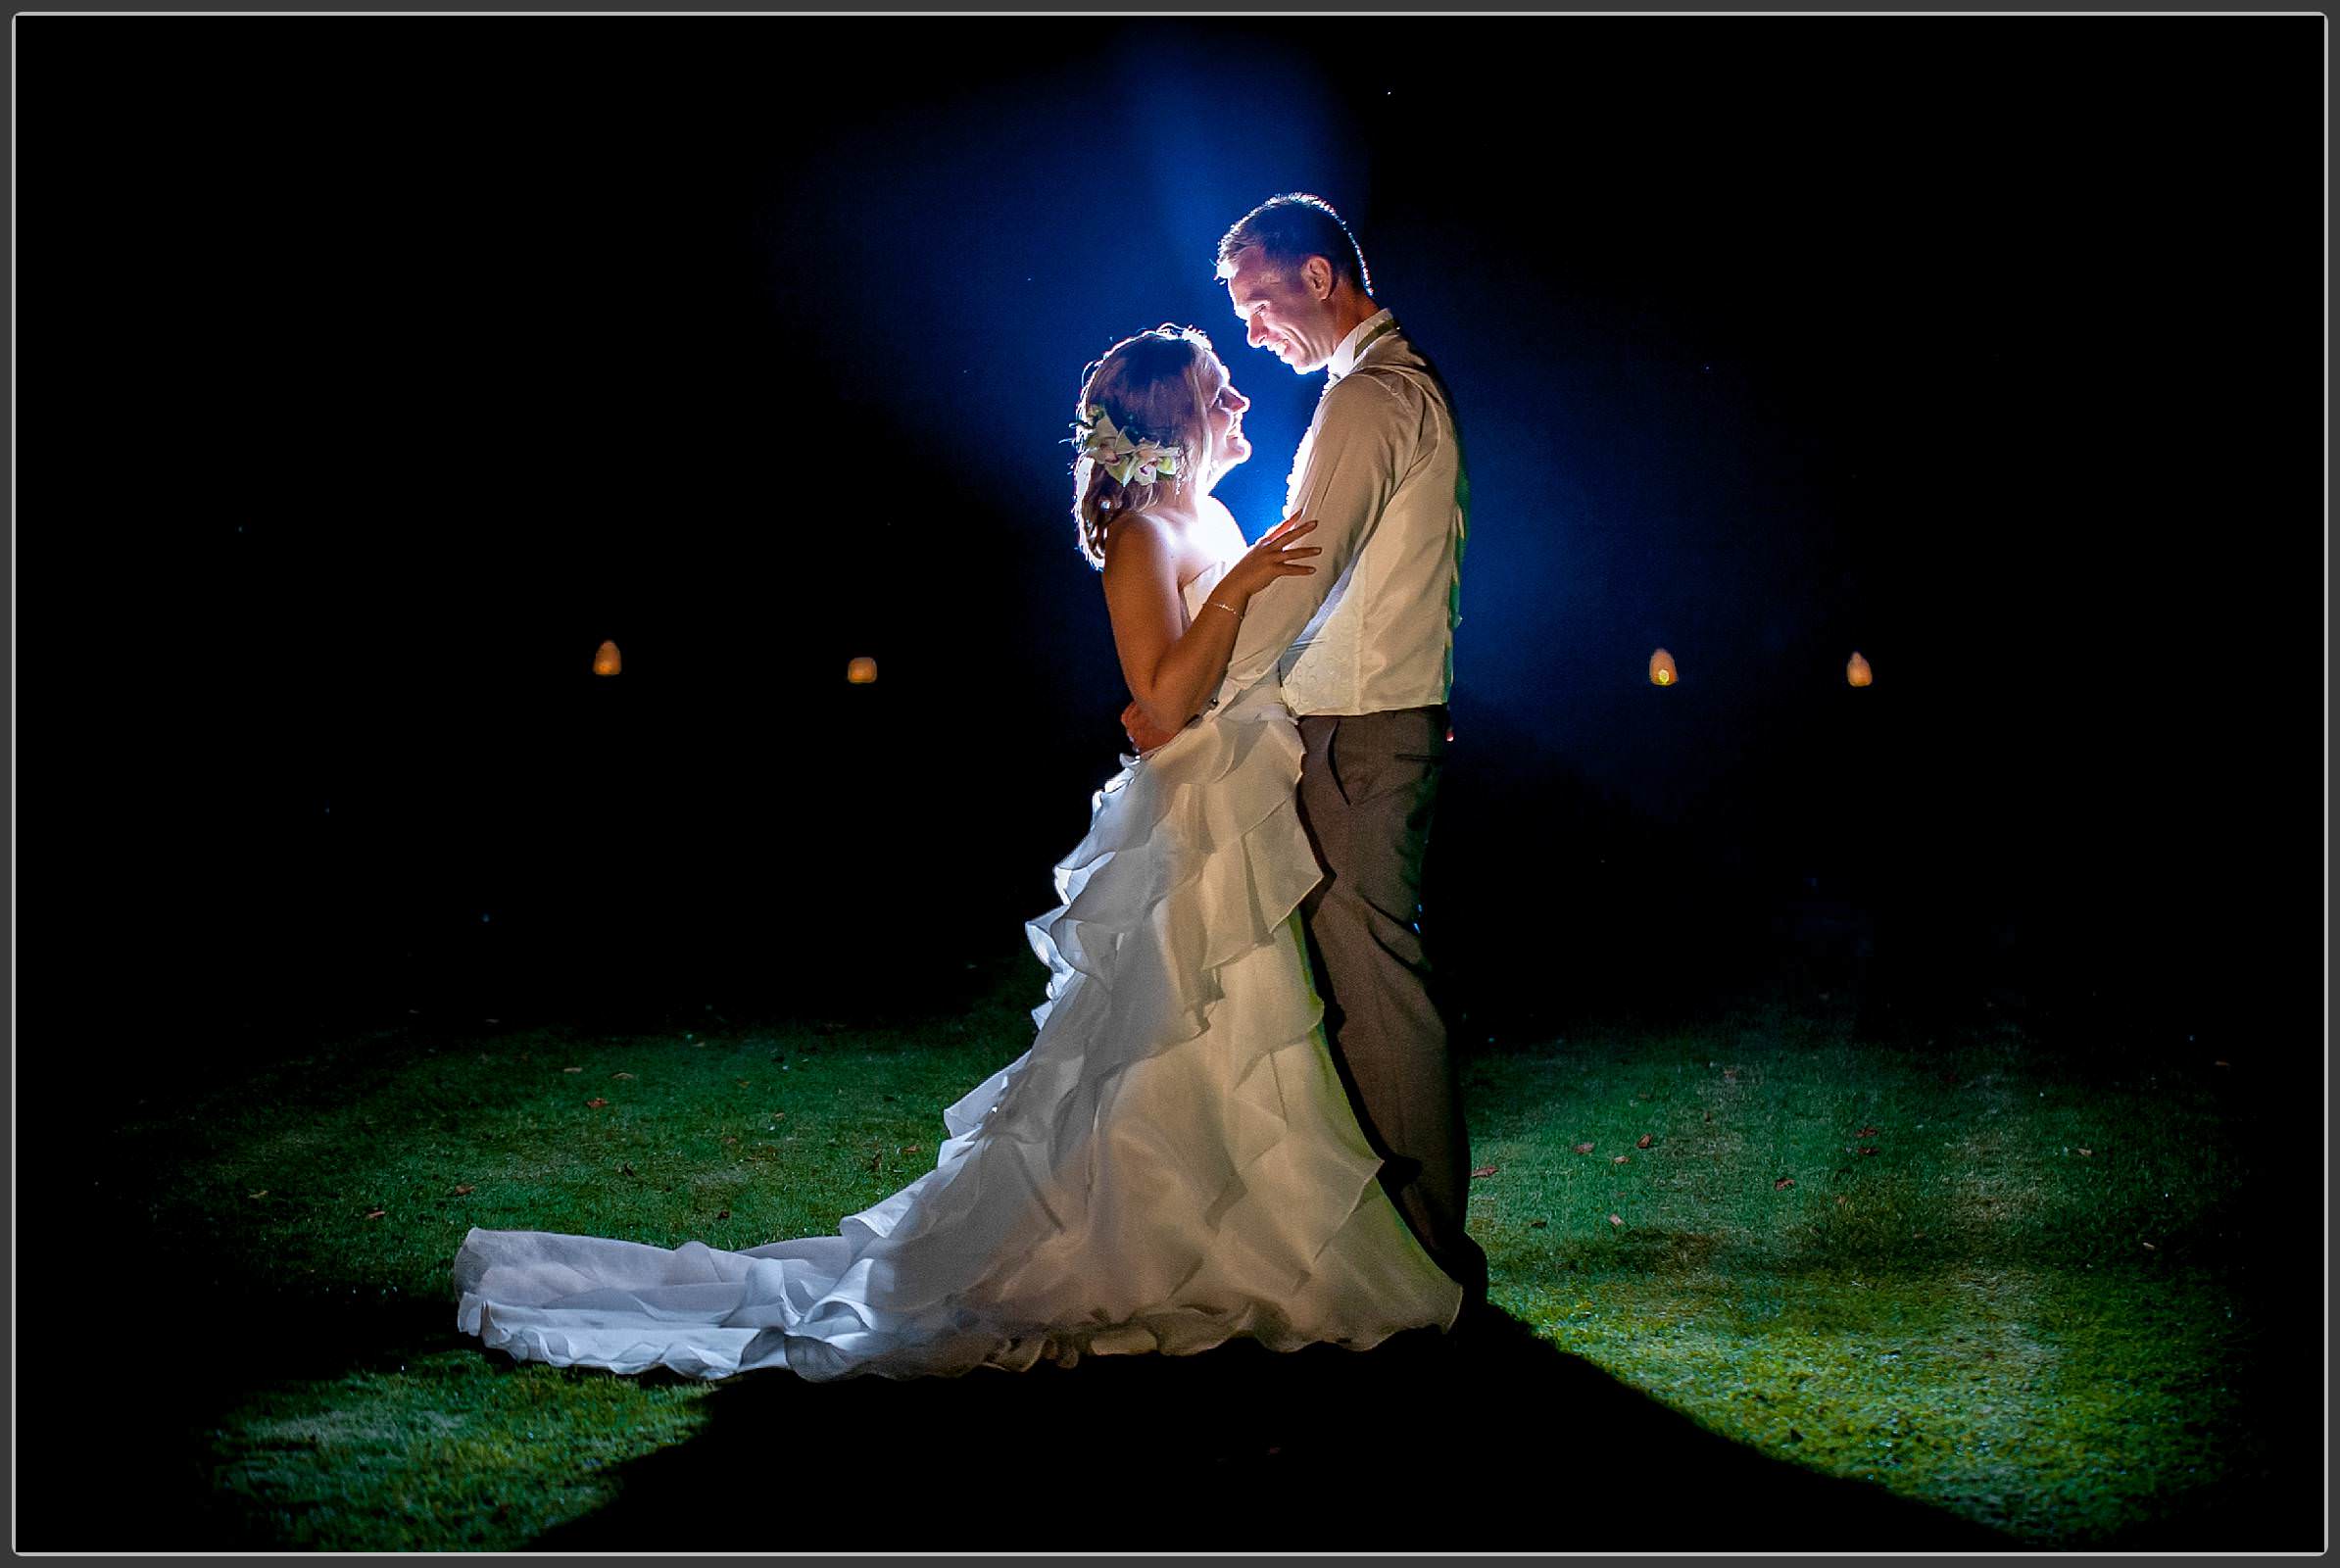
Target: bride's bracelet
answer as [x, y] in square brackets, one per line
[1230, 608]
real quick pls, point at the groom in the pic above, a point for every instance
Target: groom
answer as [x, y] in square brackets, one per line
[1366, 649]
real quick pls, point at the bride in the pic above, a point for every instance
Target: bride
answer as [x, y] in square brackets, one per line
[1173, 1162]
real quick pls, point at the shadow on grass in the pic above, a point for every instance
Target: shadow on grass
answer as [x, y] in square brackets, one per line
[1486, 1440]
[124, 1459]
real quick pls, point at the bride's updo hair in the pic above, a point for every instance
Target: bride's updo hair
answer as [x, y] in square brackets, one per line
[1152, 386]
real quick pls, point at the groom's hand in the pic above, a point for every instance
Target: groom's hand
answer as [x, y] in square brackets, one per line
[1143, 737]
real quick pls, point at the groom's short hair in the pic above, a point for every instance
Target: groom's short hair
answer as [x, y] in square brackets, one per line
[1291, 227]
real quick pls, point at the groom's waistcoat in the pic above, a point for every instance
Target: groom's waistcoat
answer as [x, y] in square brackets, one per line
[1381, 470]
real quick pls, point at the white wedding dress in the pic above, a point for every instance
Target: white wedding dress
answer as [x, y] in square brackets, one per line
[1172, 1164]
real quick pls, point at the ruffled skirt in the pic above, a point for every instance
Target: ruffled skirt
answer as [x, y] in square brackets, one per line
[1172, 1163]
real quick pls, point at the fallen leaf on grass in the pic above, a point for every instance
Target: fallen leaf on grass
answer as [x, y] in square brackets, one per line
[1614, 1220]
[1642, 1142]
[1866, 1132]
[912, 1148]
[742, 1082]
[596, 1103]
[461, 1188]
[1483, 1170]
[2150, 1247]
[1619, 1160]
[2086, 1152]
[621, 1075]
[731, 1140]
[572, 1069]
[1785, 1182]
[263, 1193]
[1730, 1075]
[1584, 1149]
[1867, 1149]
[375, 1213]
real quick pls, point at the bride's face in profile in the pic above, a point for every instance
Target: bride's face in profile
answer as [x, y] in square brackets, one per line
[1225, 418]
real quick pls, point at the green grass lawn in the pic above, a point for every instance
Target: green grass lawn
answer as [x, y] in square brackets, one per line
[1959, 1274]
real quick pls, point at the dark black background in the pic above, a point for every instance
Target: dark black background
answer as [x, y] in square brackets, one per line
[374, 370]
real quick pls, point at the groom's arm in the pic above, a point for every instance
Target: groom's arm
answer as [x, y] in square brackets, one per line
[1363, 440]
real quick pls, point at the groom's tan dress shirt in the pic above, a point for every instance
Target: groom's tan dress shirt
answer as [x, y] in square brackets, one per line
[1380, 472]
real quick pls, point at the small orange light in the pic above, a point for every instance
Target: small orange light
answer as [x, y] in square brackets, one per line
[1856, 671]
[605, 661]
[861, 671]
[1661, 669]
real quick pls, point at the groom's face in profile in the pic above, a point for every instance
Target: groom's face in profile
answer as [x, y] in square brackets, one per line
[1281, 310]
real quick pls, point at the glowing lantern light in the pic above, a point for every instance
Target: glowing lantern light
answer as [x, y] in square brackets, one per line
[1661, 669]
[861, 671]
[1856, 671]
[605, 661]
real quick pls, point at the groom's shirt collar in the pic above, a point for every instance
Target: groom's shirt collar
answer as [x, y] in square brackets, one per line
[1344, 358]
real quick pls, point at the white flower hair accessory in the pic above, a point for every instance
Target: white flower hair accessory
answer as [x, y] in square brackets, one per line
[1129, 461]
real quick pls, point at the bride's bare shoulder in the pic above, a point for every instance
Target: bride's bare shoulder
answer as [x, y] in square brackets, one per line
[1146, 543]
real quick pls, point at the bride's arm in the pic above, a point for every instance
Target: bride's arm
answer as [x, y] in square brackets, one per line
[1172, 667]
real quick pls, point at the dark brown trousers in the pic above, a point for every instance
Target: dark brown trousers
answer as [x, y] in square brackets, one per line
[1368, 790]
